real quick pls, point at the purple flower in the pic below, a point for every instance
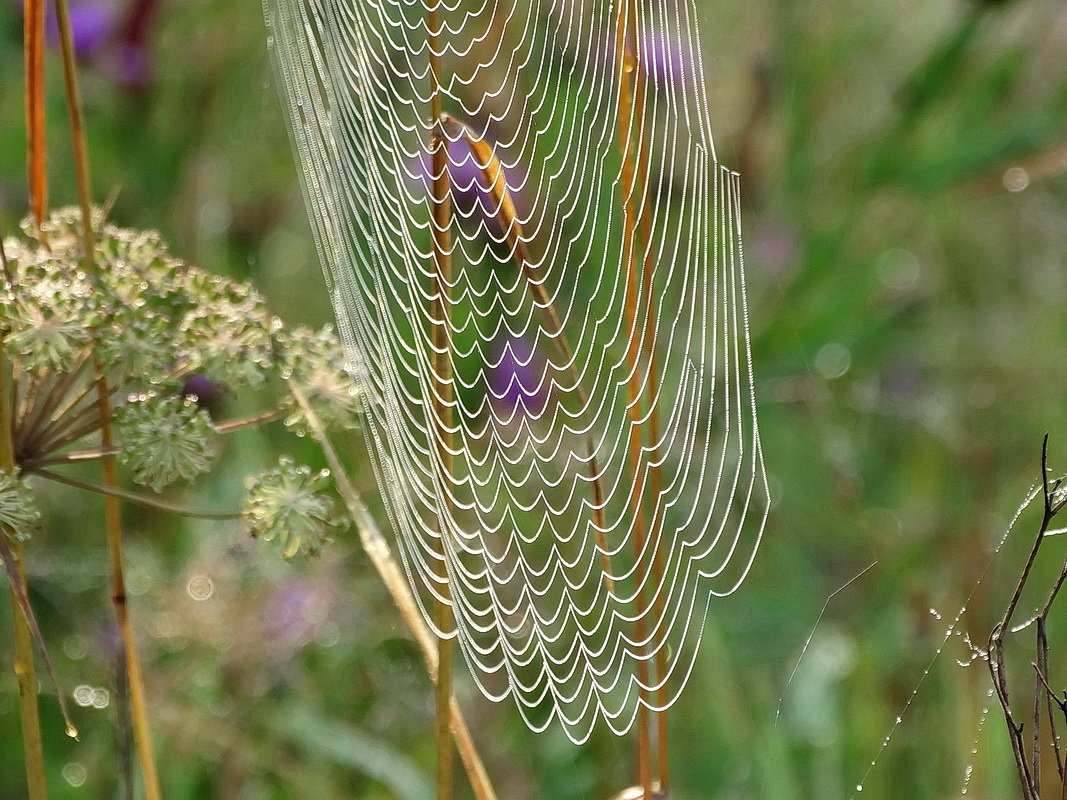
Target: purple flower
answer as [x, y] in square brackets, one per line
[113, 38]
[471, 198]
[517, 378]
[666, 58]
[93, 24]
[204, 391]
[294, 611]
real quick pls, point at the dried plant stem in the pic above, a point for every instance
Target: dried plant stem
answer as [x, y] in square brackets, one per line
[33, 47]
[133, 497]
[655, 472]
[142, 731]
[631, 122]
[77, 127]
[440, 312]
[1028, 765]
[112, 509]
[396, 584]
[25, 672]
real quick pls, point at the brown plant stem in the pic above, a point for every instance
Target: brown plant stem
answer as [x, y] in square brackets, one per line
[231, 425]
[33, 47]
[628, 129]
[377, 549]
[649, 351]
[113, 518]
[440, 311]
[1028, 771]
[77, 128]
[25, 672]
[112, 509]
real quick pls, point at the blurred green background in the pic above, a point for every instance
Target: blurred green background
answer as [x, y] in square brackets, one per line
[905, 170]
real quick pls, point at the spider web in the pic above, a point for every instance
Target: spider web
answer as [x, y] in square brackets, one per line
[518, 509]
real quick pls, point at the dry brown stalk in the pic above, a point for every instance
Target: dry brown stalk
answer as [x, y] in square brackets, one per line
[112, 508]
[625, 49]
[1028, 764]
[25, 671]
[649, 352]
[33, 47]
[440, 312]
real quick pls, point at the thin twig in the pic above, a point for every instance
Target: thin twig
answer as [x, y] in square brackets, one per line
[134, 497]
[77, 128]
[72, 457]
[34, 45]
[231, 425]
[1027, 770]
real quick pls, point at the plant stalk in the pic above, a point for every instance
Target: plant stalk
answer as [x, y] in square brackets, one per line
[442, 375]
[649, 348]
[112, 509]
[25, 671]
[33, 46]
[142, 732]
[630, 120]
[77, 128]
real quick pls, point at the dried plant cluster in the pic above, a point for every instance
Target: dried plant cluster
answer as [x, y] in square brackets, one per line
[156, 331]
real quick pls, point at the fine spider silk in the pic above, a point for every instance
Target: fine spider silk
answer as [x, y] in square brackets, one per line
[562, 422]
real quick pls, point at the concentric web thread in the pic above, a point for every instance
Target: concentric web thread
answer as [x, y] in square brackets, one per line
[566, 593]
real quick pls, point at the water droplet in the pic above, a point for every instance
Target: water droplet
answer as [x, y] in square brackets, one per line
[1016, 179]
[200, 588]
[83, 695]
[75, 774]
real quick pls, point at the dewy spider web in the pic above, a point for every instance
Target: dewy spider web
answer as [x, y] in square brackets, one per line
[551, 606]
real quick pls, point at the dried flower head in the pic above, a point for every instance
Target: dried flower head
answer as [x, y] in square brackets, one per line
[315, 363]
[289, 503]
[165, 439]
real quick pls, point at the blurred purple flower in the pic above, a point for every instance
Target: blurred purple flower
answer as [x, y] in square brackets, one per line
[293, 612]
[93, 24]
[111, 36]
[516, 378]
[470, 190]
[667, 59]
[207, 392]
[775, 247]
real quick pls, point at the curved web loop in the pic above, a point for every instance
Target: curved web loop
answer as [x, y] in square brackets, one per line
[605, 477]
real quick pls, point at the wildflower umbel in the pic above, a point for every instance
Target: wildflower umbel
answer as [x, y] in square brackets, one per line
[288, 503]
[166, 439]
[147, 322]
